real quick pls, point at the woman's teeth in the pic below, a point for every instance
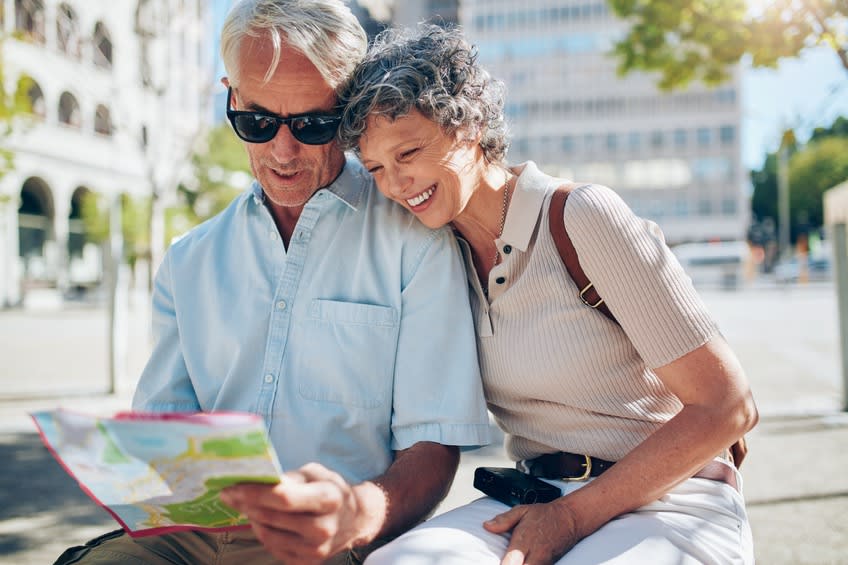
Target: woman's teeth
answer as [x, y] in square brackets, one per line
[421, 198]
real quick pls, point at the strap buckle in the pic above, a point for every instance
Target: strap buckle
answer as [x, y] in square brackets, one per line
[583, 292]
[586, 474]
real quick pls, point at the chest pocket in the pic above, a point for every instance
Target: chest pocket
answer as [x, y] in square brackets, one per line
[349, 353]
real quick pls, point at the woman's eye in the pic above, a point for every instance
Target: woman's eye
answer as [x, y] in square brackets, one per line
[408, 153]
[374, 169]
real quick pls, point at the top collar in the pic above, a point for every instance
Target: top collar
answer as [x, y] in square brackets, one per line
[525, 205]
[349, 186]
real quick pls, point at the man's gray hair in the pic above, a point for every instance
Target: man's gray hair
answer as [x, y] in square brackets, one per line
[433, 70]
[325, 31]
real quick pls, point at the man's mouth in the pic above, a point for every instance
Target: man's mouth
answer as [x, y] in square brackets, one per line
[421, 198]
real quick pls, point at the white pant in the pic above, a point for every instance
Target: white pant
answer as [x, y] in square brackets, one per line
[700, 521]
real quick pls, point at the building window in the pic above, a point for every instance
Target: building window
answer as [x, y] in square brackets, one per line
[680, 138]
[727, 135]
[36, 99]
[704, 137]
[656, 139]
[69, 110]
[29, 19]
[634, 140]
[102, 47]
[612, 142]
[67, 31]
[589, 142]
[103, 120]
[728, 206]
[567, 143]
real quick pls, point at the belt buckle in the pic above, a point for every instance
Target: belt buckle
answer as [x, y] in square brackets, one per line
[586, 474]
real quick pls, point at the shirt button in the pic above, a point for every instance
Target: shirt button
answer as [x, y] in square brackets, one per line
[301, 235]
[500, 280]
[507, 249]
[269, 379]
[281, 305]
[273, 235]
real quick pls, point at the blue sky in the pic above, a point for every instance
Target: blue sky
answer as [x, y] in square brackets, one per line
[801, 94]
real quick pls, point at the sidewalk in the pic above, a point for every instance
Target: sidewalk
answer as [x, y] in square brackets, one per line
[796, 483]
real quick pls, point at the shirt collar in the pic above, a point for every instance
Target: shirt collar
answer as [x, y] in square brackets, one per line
[349, 186]
[525, 205]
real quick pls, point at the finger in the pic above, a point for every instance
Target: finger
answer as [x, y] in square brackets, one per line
[292, 547]
[513, 557]
[317, 472]
[280, 544]
[317, 497]
[505, 522]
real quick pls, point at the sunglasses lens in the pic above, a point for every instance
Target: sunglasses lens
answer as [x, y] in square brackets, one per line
[255, 128]
[314, 130]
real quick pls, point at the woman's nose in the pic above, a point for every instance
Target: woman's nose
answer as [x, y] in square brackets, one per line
[398, 182]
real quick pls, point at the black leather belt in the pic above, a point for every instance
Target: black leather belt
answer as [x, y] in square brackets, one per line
[565, 466]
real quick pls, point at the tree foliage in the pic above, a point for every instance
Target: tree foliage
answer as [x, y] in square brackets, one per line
[822, 165]
[12, 105]
[688, 40]
[814, 167]
[96, 219]
[221, 169]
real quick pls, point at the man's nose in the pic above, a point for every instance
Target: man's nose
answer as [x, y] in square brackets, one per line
[284, 146]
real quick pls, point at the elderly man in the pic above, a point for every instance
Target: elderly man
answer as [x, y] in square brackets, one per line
[318, 304]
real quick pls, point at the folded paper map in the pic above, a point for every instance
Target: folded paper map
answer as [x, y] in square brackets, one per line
[161, 472]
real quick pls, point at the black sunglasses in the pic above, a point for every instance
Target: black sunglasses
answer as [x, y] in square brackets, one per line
[260, 127]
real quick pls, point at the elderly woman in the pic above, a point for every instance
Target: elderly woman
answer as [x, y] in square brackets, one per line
[640, 409]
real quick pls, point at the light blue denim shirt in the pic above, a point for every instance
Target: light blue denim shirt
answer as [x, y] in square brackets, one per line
[355, 341]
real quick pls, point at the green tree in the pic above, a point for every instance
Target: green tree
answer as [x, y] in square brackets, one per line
[814, 167]
[134, 221]
[687, 40]
[220, 168]
[12, 106]
[820, 166]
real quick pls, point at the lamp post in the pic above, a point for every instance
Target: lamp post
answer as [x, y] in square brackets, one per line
[784, 227]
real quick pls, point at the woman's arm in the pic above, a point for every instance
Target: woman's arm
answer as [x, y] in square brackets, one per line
[717, 409]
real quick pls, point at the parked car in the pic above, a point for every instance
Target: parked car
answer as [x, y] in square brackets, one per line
[716, 263]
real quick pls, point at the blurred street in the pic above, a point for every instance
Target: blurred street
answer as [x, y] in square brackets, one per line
[786, 336]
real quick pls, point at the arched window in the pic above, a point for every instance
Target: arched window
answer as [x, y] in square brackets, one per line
[76, 228]
[29, 19]
[69, 110]
[35, 228]
[103, 120]
[29, 97]
[67, 31]
[102, 47]
[36, 100]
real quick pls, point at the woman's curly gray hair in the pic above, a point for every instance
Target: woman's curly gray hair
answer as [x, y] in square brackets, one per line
[433, 70]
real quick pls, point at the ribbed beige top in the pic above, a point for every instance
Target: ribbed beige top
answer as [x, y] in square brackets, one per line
[558, 375]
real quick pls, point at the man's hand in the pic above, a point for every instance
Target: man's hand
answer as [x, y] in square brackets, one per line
[541, 533]
[311, 515]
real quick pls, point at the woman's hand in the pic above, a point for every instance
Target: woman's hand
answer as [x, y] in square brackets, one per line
[541, 533]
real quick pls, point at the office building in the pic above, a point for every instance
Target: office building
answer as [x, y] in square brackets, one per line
[674, 158]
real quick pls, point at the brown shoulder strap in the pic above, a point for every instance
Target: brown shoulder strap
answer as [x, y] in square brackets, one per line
[588, 294]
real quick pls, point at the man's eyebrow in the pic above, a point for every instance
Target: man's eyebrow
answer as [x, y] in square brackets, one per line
[254, 107]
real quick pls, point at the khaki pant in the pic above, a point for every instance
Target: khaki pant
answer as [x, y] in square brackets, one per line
[238, 547]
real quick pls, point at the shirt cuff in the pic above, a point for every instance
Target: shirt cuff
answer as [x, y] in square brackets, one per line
[464, 435]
